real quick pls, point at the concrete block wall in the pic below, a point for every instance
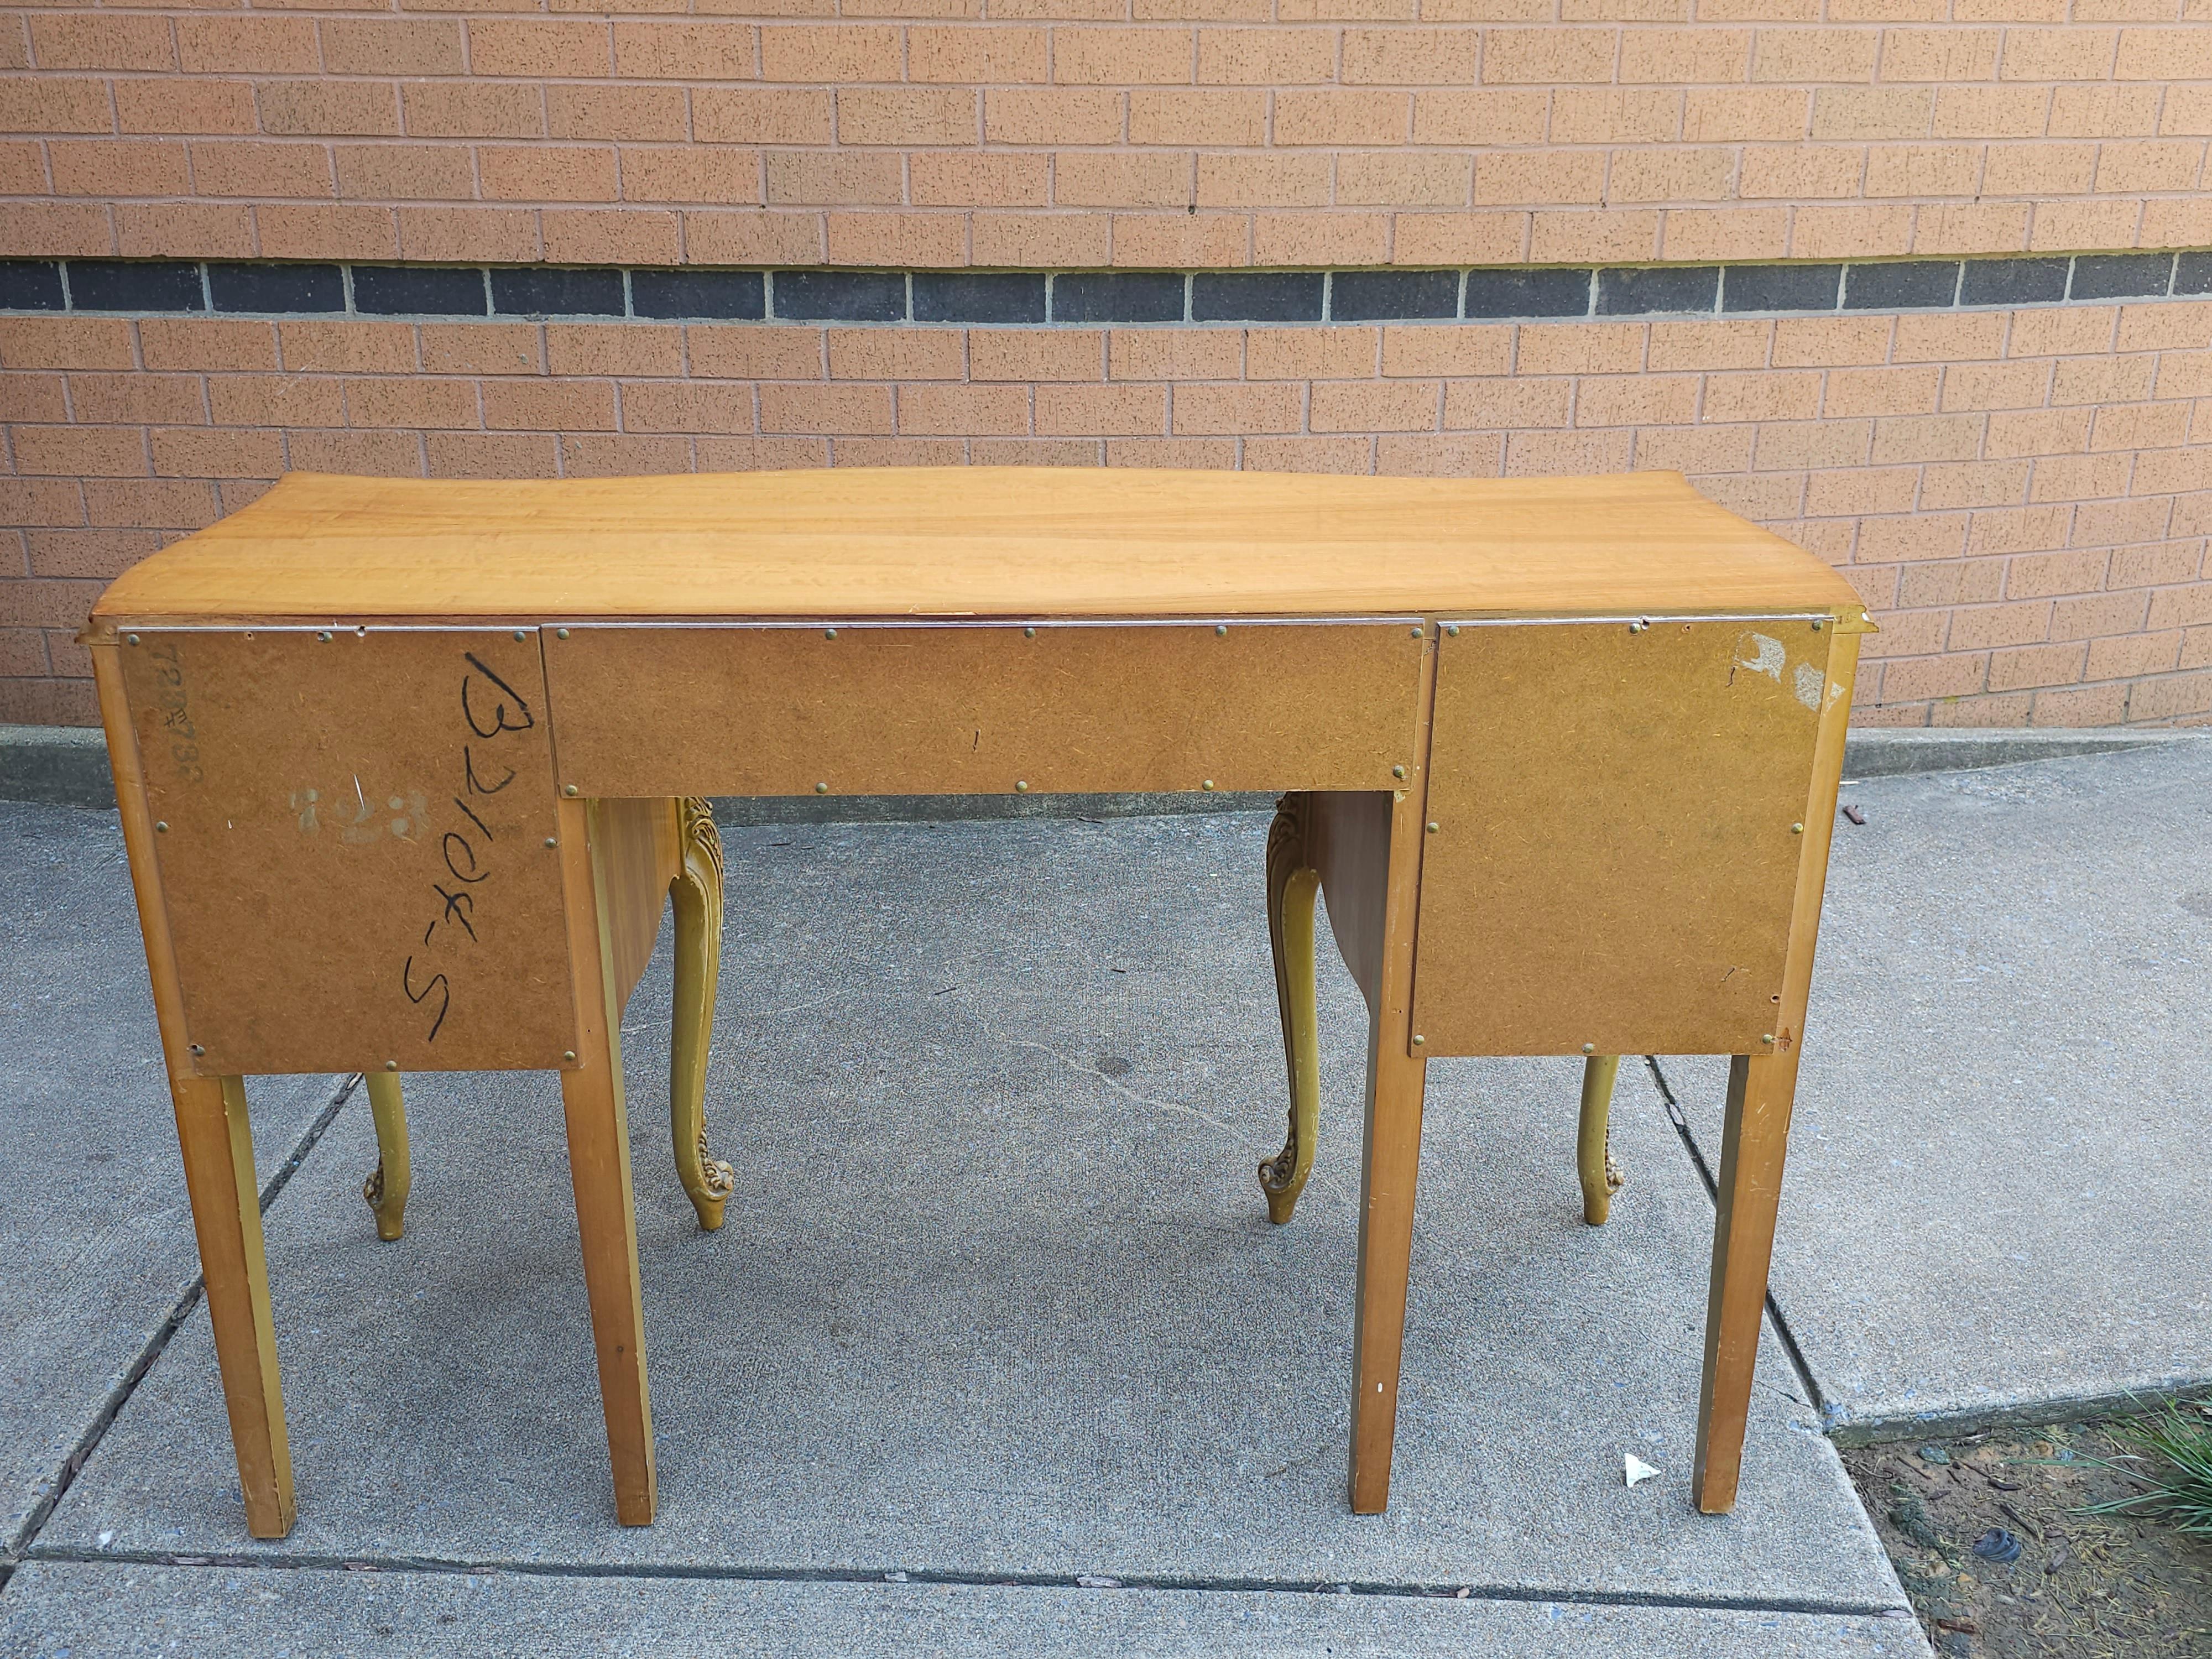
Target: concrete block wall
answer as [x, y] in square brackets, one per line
[2018, 478]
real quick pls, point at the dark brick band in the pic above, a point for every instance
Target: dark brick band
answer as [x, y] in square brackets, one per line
[167, 288]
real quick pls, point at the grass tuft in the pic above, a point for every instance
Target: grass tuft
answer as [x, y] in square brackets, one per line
[2170, 1456]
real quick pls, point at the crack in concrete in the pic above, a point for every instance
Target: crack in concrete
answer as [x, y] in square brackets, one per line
[1783, 1334]
[22, 1544]
[449, 1566]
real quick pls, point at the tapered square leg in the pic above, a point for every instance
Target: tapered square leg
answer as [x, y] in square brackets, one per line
[1756, 1131]
[216, 1140]
[1387, 840]
[217, 1143]
[598, 1168]
[1387, 1176]
[1762, 1092]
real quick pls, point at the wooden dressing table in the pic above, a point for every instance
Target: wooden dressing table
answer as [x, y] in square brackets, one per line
[400, 766]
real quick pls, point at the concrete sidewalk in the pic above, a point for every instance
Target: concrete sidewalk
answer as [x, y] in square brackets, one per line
[100, 1259]
[998, 1303]
[1996, 1207]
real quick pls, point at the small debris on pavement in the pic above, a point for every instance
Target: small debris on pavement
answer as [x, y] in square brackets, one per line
[1634, 1468]
[1857, 815]
[1910, 1516]
[1093, 1581]
[1998, 1544]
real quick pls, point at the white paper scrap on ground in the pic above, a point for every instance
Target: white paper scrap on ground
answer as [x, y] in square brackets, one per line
[1635, 1468]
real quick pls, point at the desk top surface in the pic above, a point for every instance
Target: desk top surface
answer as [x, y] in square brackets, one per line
[981, 541]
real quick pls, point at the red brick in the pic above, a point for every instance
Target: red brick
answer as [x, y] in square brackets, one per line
[946, 410]
[168, 105]
[1117, 411]
[1202, 409]
[134, 399]
[627, 348]
[78, 452]
[65, 342]
[654, 407]
[830, 409]
[217, 453]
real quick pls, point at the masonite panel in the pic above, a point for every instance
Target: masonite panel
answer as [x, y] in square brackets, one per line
[1613, 862]
[355, 864]
[904, 709]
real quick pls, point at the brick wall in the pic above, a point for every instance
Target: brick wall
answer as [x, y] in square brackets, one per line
[2023, 495]
[1095, 132]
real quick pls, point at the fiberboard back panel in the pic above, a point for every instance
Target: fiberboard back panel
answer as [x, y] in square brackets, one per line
[354, 862]
[1613, 862]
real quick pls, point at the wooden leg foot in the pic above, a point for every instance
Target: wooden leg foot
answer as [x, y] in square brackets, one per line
[1292, 883]
[1601, 1177]
[387, 1189]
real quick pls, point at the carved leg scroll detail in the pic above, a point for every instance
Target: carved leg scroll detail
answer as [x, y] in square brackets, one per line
[696, 893]
[1602, 1177]
[1291, 885]
[387, 1189]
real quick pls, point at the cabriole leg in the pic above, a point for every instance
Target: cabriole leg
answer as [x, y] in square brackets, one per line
[387, 1189]
[1291, 885]
[696, 896]
[1602, 1176]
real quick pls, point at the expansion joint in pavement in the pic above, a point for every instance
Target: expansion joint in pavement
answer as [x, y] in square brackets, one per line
[449, 1566]
[1782, 1331]
[23, 1545]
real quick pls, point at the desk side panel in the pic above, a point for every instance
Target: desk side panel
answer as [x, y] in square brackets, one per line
[896, 709]
[353, 846]
[1613, 862]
